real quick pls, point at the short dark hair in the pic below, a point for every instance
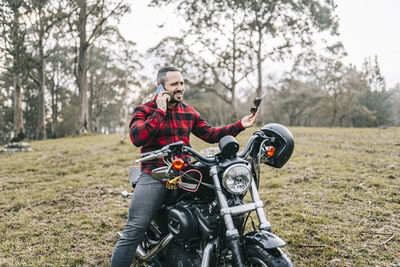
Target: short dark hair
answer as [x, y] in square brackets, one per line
[162, 73]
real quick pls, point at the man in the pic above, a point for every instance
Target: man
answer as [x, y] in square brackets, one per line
[161, 121]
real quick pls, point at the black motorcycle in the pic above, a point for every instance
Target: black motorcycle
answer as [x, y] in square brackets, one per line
[204, 219]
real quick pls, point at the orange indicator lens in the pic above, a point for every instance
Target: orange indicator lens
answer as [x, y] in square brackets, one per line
[177, 164]
[271, 151]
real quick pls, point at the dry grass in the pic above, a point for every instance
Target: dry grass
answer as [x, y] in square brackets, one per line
[336, 202]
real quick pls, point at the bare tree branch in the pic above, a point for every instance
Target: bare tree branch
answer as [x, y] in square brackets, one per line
[104, 19]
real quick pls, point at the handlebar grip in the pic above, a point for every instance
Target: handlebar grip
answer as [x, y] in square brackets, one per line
[146, 154]
[152, 156]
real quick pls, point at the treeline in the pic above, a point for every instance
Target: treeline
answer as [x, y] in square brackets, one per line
[322, 91]
[66, 69]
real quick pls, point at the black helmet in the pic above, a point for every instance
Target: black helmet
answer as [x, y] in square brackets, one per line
[284, 144]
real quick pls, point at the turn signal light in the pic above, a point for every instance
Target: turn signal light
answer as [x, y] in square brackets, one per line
[177, 164]
[271, 151]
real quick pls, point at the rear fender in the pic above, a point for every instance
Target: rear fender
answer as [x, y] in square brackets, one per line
[263, 239]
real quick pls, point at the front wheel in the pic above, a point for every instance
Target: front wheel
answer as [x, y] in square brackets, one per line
[260, 257]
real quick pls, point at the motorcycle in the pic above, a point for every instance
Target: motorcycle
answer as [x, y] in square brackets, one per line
[204, 218]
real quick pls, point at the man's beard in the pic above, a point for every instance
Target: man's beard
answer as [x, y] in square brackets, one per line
[173, 100]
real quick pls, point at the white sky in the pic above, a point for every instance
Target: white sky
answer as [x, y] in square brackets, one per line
[367, 28]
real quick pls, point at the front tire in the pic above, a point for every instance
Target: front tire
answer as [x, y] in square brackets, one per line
[260, 257]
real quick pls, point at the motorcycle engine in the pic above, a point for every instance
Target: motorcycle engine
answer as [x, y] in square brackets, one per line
[182, 223]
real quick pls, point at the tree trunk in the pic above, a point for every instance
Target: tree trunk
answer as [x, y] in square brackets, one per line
[54, 109]
[220, 111]
[341, 120]
[55, 115]
[83, 116]
[292, 119]
[334, 111]
[19, 131]
[259, 74]
[17, 107]
[97, 127]
[233, 80]
[234, 104]
[333, 118]
[91, 112]
[259, 63]
[40, 124]
[91, 104]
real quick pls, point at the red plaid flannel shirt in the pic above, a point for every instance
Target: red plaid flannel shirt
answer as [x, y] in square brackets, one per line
[152, 128]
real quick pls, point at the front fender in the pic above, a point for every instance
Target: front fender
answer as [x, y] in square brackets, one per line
[263, 239]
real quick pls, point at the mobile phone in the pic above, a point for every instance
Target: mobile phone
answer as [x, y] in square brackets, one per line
[160, 88]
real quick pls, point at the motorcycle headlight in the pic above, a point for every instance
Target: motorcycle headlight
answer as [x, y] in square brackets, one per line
[237, 179]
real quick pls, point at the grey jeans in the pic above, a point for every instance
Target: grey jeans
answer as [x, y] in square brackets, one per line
[147, 199]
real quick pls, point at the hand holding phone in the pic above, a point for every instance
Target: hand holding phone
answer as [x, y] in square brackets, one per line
[162, 98]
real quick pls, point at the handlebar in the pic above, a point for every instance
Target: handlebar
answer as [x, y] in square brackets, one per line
[179, 148]
[245, 153]
[199, 156]
[164, 152]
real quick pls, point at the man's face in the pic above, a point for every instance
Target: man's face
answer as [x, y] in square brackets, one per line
[174, 85]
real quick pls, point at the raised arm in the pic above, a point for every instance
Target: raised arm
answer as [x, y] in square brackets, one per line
[211, 134]
[144, 124]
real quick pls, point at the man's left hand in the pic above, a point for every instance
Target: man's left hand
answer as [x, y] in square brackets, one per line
[249, 120]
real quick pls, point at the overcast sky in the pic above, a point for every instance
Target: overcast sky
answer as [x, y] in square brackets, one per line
[367, 28]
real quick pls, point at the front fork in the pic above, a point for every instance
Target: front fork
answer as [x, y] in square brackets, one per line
[227, 212]
[264, 224]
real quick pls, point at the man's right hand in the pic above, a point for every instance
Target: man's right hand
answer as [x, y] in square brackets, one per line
[162, 100]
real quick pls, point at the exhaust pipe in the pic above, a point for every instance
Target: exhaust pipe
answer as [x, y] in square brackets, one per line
[141, 254]
[207, 254]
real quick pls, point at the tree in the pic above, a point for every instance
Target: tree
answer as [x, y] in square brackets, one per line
[328, 71]
[353, 86]
[91, 19]
[235, 33]
[110, 75]
[14, 31]
[276, 27]
[373, 74]
[44, 16]
[376, 98]
[58, 80]
[298, 100]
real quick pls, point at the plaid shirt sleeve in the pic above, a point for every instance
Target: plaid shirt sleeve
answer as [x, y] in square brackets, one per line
[210, 134]
[144, 127]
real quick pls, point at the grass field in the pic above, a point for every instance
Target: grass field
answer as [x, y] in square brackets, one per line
[336, 202]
